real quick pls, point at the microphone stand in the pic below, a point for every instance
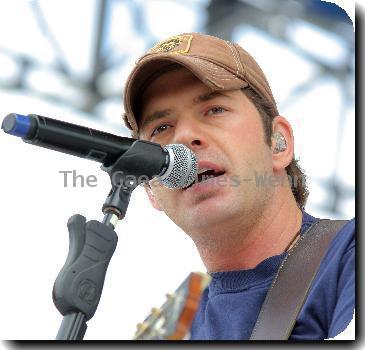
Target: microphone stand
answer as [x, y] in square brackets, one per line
[78, 286]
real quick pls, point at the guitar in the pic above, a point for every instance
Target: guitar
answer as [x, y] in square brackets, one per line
[172, 321]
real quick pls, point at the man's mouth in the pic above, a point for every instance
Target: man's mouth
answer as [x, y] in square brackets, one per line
[206, 173]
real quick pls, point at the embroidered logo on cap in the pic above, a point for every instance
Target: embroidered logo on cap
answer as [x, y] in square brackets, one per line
[179, 44]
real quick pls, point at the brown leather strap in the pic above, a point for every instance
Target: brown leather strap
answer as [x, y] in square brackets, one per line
[293, 280]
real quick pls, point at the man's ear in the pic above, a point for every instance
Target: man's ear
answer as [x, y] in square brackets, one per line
[151, 197]
[282, 143]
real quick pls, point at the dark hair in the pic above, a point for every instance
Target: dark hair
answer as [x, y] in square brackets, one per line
[295, 174]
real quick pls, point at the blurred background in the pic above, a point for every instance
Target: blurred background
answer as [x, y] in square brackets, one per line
[69, 60]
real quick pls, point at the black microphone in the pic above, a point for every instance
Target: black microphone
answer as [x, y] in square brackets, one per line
[175, 164]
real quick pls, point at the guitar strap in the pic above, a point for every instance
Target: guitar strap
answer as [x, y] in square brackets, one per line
[293, 280]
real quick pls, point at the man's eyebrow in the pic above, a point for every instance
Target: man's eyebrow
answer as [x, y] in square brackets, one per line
[209, 96]
[166, 112]
[154, 116]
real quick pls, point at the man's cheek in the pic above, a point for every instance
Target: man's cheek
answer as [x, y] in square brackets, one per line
[154, 184]
[247, 133]
[163, 196]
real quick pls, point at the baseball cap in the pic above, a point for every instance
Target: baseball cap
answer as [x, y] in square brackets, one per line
[219, 64]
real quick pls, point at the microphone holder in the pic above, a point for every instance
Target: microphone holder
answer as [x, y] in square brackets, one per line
[78, 286]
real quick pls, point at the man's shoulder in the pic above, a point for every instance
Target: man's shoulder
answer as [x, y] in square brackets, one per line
[342, 247]
[347, 231]
[337, 268]
[345, 236]
[340, 255]
[330, 303]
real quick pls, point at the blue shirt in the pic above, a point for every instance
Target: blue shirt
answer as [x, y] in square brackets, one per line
[231, 303]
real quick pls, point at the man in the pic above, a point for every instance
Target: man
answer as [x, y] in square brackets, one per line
[246, 209]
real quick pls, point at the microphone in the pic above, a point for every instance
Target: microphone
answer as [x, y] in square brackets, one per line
[175, 165]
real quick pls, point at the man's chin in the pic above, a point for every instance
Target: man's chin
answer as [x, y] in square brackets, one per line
[205, 212]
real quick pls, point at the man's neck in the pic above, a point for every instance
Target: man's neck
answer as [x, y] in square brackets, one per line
[243, 245]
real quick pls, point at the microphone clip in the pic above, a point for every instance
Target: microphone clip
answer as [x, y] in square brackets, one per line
[138, 165]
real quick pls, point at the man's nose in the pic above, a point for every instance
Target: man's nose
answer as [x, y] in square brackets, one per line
[190, 133]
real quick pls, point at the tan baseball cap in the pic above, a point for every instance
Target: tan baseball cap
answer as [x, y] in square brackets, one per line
[219, 64]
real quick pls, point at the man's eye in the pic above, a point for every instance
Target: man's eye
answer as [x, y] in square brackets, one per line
[216, 110]
[159, 129]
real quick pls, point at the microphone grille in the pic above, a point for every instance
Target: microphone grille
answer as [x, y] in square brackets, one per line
[183, 167]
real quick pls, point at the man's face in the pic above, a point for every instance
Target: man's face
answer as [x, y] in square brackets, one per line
[226, 133]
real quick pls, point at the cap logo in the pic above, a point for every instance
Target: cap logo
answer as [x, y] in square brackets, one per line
[179, 44]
